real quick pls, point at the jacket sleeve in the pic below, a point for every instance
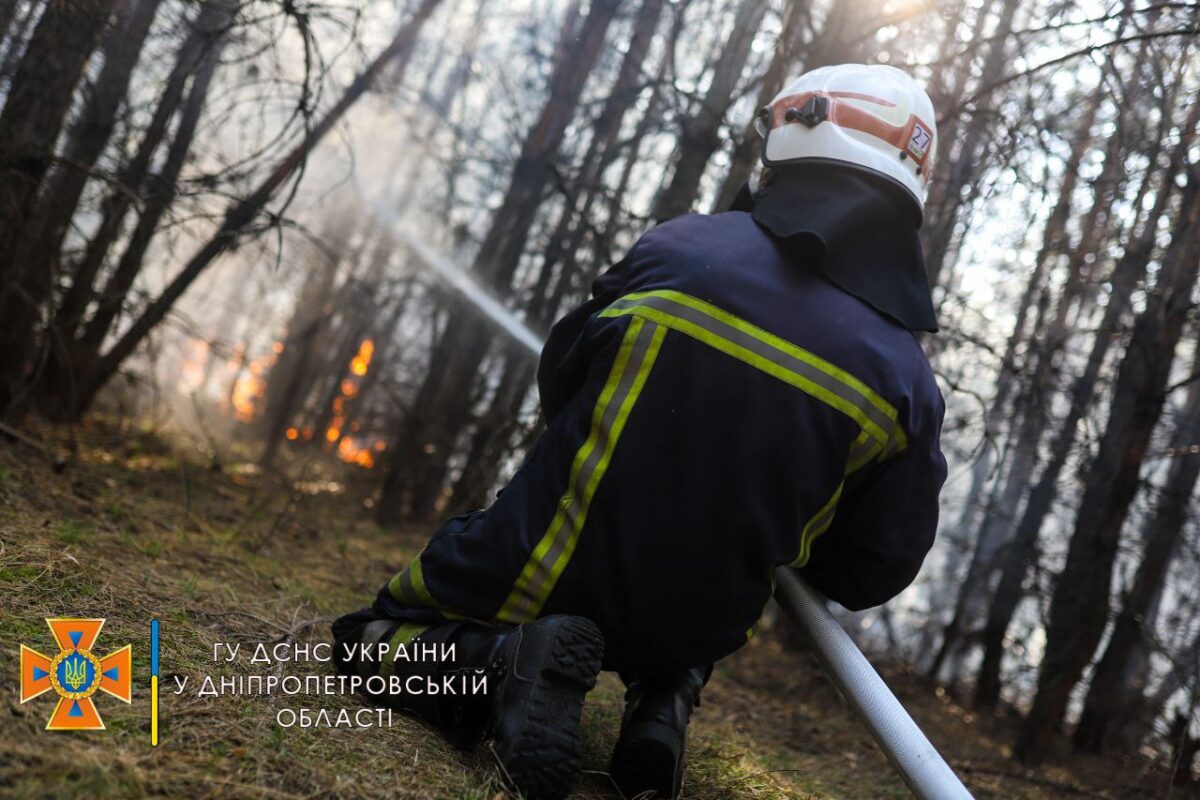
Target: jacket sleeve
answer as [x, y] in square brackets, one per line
[883, 527]
[563, 366]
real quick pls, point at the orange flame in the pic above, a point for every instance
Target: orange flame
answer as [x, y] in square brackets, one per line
[350, 452]
[191, 371]
[362, 360]
[252, 385]
[349, 448]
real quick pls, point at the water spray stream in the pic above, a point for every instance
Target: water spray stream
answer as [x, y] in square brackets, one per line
[928, 776]
[460, 280]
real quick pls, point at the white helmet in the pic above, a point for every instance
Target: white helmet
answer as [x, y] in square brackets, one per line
[872, 117]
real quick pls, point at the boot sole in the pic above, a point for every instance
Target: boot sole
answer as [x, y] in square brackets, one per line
[645, 764]
[541, 752]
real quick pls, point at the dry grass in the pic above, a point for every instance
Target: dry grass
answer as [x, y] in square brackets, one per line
[138, 528]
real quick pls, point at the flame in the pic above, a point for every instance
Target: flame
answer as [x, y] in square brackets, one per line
[362, 360]
[351, 452]
[191, 370]
[293, 434]
[352, 449]
[251, 385]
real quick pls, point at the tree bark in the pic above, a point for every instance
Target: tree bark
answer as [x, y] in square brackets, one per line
[946, 196]
[122, 47]
[247, 210]
[573, 223]
[210, 25]
[492, 438]
[11, 54]
[427, 437]
[1129, 271]
[35, 109]
[749, 144]
[285, 383]
[1054, 241]
[700, 131]
[1113, 683]
[1030, 409]
[8, 12]
[160, 191]
[1079, 607]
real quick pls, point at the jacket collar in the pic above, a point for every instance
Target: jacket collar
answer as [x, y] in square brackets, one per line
[862, 232]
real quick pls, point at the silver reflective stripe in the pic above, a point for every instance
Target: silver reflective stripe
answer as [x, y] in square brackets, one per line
[533, 587]
[763, 350]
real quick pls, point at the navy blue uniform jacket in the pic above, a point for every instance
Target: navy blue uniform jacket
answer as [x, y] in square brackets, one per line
[716, 410]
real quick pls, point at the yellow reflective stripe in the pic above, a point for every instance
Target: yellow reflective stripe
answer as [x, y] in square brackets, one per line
[409, 588]
[403, 636]
[819, 523]
[864, 449]
[550, 557]
[771, 354]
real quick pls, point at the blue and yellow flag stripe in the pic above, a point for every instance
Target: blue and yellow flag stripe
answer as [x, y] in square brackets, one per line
[154, 683]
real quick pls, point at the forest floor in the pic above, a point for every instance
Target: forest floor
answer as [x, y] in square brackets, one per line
[141, 525]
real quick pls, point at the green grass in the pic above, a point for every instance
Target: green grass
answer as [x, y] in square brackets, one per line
[240, 563]
[72, 531]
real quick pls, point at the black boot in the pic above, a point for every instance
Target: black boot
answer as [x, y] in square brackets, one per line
[462, 718]
[537, 677]
[649, 756]
[545, 669]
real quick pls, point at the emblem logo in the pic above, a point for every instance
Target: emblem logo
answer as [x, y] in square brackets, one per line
[75, 674]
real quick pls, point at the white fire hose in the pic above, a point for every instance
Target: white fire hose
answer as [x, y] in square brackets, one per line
[918, 762]
[928, 776]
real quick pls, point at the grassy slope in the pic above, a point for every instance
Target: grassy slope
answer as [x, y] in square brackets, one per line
[137, 529]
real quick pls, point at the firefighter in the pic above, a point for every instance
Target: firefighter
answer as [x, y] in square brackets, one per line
[743, 391]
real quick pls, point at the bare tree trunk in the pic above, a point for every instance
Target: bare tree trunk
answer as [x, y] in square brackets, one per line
[285, 383]
[8, 12]
[245, 211]
[1112, 685]
[57, 386]
[160, 190]
[384, 335]
[603, 235]
[700, 131]
[1079, 608]
[572, 226]
[121, 48]
[357, 304]
[419, 458]
[34, 113]
[1054, 241]
[210, 25]
[746, 153]
[1130, 269]
[999, 522]
[11, 55]
[494, 429]
[946, 194]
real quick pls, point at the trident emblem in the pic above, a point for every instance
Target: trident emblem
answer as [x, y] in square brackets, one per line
[75, 674]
